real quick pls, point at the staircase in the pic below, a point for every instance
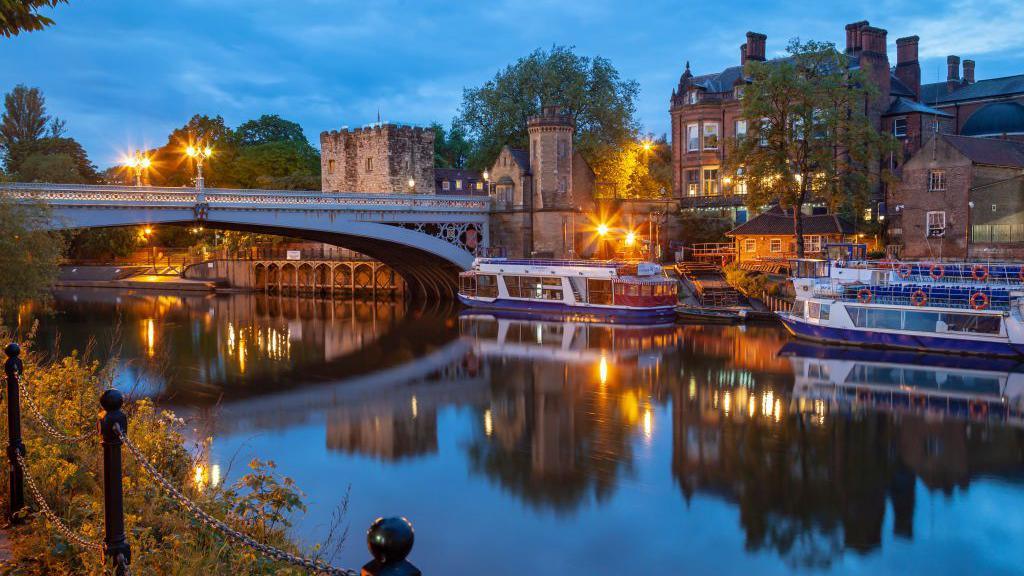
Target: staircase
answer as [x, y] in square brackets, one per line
[708, 283]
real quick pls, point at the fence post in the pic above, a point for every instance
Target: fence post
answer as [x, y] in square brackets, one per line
[390, 541]
[115, 543]
[16, 500]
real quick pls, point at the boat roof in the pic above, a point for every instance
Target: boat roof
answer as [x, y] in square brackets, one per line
[551, 262]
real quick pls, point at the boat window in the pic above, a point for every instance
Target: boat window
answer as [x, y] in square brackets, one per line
[645, 290]
[973, 323]
[876, 318]
[487, 285]
[818, 310]
[468, 284]
[920, 321]
[512, 286]
[825, 310]
[599, 291]
[552, 281]
[798, 308]
[632, 290]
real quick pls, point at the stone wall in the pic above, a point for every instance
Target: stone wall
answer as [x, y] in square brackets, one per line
[381, 158]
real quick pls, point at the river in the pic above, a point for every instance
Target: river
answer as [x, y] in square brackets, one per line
[524, 447]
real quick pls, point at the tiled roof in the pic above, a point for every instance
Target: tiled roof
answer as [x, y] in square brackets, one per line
[898, 88]
[994, 119]
[991, 151]
[522, 157]
[779, 221]
[939, 92]
[905, 106]
[469, 179]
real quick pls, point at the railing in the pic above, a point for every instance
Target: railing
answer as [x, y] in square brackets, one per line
[776, 303]
[389, 539]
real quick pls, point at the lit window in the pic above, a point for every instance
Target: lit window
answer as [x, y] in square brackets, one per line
[740, 186]
[868, 214]
[936, 224]
[692, 182]
[711, 182]
[936, 180]
[899, 127]
[741, 129]
[812, 243]
[458, 184]
[775, 245]
[479, 185]
[711, 135]
[749, 245]
[692, 138]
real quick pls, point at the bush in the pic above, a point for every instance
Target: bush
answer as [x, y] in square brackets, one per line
[749, 283]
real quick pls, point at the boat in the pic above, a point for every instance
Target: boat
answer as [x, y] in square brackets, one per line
[573, 289]
[956, 308]
[711, 314]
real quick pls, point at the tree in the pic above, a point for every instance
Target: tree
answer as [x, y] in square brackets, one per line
[171, 167]
[811, 137]
[269, 128]
[28, 252]
[51, 159]
[451, 149]
[25, 120]
[102, 244]
[18, 16]
[286, 165]
[55, 168]
[590, 89]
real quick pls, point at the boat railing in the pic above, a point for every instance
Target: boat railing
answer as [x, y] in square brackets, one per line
[919, 295]
[551, 262]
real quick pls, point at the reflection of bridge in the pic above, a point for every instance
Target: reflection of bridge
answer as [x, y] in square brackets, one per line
[427, 239]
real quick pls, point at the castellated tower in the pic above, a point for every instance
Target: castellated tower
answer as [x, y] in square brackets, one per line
[551, 157]
[381, 158]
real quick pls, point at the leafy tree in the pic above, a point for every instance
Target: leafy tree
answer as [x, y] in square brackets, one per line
[451, 148]
[17, 16]
[25, 120]
[286, 164]
[102, 244]
[51, 159]
[811, 138]
[57, 168]
[269, 128]
[28, 252]
[171, 167]
[590, 89]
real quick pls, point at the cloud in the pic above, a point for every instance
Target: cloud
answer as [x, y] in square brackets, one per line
[972, 27]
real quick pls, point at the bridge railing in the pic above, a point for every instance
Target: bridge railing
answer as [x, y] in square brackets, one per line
[389, 539]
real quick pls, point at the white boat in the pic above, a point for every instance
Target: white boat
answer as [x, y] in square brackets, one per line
[613, 291]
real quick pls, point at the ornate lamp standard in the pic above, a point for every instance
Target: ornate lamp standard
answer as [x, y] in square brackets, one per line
[138, 163]
[199, 153]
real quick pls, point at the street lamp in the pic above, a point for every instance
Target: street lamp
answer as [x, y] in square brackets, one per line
[412, 184]
[199, 153]
[602, 229]
[137, 162]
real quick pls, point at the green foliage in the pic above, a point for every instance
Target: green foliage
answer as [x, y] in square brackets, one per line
[102, 244]
[285, 164]
[171, 167]
[698, 227]
[24, 123]
[451, 148]
[62, 159]
[590, 90]
[809, 136]
[28, 252]
[58, 168]
[17, 16]
[749, 283]
[269, 128]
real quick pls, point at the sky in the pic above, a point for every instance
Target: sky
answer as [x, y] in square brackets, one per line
[124, 73]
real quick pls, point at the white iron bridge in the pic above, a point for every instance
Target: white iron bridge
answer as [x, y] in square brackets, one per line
[428, 239]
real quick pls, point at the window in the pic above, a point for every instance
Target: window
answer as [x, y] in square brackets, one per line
[330, 166]
[692, 182]
[599, 291]
[818, 311]
[750, 245]
[775, 245]
[692, 97]
[458, 184]
[563, 184]
[899, 127]
[740, 186]
[798, 128]
[936, 180]
[487, 285]
[711, 182]
[741, 129]
[762, 131]
[369, 164]
[711, 135]
[812, 243]
[935, 223]
[868, 215]
[446, 185]
[692, 138]
[737, 92]
[562, 148]
[741, 216]
[479, 185]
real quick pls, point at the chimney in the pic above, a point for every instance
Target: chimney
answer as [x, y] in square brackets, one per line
[968, 71]
[875, 61]
[953, 69]
[755, 46]
[908, 69]
[853, 36]
[873, 40]
[743, 54]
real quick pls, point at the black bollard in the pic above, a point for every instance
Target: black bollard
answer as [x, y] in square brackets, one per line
[115, 543]
[13, 367]
[390, 541]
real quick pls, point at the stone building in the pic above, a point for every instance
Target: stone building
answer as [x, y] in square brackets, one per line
[961, 197]
[705, 112]
[459, 182]
[541, 194]
[383, 158]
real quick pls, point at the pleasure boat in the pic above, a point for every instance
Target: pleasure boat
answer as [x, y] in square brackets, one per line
[960, 308]
[583, 289]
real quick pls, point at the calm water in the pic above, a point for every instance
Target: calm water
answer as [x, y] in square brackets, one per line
[521, 447]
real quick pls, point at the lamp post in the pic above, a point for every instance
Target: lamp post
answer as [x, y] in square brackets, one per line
[199, 154]
[137, 163]
[412, 185]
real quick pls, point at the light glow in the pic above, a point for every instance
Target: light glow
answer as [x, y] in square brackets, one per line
[602, 229]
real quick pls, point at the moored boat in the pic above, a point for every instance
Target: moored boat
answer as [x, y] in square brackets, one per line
[613, 291]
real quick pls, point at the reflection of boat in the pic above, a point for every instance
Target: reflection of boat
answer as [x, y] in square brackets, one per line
[570, 342]
[976, 388]
[608, 290]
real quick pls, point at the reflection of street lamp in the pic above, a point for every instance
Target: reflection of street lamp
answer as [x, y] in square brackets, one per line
[199, 153]
[137, 162]
[147, 233]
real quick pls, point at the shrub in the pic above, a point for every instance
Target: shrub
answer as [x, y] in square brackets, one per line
[749, 283]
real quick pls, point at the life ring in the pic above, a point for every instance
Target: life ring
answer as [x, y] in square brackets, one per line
[936, 271]
[979, 272]
[1020, 273]
[919, 401]
[978, 409]
[864, 296]
[919, 298]
[979, 300]
[904, 271]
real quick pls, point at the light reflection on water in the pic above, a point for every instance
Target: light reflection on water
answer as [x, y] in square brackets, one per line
[519, 446]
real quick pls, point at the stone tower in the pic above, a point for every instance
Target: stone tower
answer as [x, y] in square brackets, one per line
[381, 158]
[551, 157]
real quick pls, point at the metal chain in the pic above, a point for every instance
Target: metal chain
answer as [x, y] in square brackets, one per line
[219, 526]
[47, 426]
[51, 515]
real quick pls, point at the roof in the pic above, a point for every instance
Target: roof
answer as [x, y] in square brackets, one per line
[778, 221]
[905, 106]
[469, 179]
[720, 82]
[994, 119]
[522, 157]
[456, 174]
[991, 151]
[940, 93]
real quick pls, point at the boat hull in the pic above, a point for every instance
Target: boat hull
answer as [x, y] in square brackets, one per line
[655, 314]
[879, 339]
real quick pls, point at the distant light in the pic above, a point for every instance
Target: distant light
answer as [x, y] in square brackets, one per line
[191, 151]
[647, 146]
[487, 175]
[207, 151]
[412, 183]
[630, 239]
[147, 231]
[602, 229]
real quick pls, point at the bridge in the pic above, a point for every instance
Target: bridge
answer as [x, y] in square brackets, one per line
[427, 239]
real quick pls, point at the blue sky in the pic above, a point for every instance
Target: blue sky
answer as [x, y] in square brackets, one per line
[124, 73]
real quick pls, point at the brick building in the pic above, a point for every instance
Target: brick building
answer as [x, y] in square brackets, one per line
[384, 158]
[705, 112]
[769, 236]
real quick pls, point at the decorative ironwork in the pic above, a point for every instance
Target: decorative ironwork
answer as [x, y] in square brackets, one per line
[466, 236]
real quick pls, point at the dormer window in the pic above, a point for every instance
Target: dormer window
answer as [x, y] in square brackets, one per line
[692, 97]
[737, 92]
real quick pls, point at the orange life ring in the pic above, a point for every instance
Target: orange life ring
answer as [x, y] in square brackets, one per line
[864, 296]
[979, 300]
[936, 275]
[978, 409]
[979, 268]
[919, 298]
[904, 270]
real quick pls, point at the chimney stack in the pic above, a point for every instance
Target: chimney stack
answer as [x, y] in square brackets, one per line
[755, 46]
[853, 36]
[953, 69]
[874, 60]
[743, 54]
[968, 71]
[908, 68]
